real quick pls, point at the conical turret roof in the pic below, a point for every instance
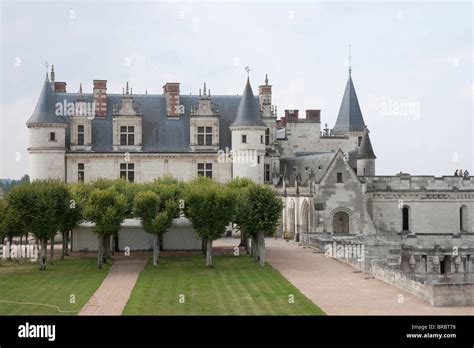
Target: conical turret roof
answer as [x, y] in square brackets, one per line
[350, 117]
[45, 111]
[365, 149]
[248, 113]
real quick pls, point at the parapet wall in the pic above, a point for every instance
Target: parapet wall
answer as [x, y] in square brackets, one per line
[409, 182]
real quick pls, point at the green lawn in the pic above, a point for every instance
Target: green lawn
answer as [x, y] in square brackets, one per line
[236, 286]
[24, 283]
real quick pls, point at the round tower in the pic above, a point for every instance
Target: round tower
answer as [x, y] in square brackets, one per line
[47, 138]
[248, 139]
[365, 156]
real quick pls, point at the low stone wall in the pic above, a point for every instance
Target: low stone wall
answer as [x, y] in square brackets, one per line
[438, 295]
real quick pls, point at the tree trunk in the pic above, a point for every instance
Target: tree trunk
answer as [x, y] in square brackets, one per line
[255, 248]
[209, 253]
[21, 239]
[63, 249]
[246, 244]
[66, 251]
[51, 251]
[10, 243]
[204, 246]
[116, 243]
[100, 252]
[261, 248]
[106, 246]
[156, 250]
[71, 239]
[42, 259]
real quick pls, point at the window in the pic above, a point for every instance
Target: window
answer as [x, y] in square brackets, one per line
[267, 136]
[205, 169]
[339, 178]
[405, 219]
[261, 139]
[267, 172]
[359, 140]
[258, 159]
[204, 136]
[127, 171]
[80, 134]
[127, 135]
[463, 219]
[244, 139]
[80, 172]
[52, 136]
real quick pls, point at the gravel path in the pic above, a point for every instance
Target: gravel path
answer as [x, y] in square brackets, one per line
[339, 289]
[112, 296]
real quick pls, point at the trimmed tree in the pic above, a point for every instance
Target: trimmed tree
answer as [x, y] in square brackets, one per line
[147, 207]
[38, 206]
[209, 206]
[107, 209]
[71, 217]
[260, 214]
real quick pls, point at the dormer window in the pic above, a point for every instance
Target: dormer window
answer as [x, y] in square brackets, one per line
[52, 136]
[127, 135]
[204, 135]
[339, 178]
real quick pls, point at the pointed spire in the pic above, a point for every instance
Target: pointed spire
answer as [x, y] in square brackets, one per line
[248, 113]
[365, 149]
[204, 89]
[350, 117]
[80, 88]
[266, 79]
[45, 111]
[126, 88]
[350, 61]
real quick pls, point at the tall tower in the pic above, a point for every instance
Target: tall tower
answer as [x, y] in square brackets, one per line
[350, 121]
[248, 139]
[366, 156]
[47, 137]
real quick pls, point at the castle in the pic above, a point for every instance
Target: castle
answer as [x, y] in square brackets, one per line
[417, 232]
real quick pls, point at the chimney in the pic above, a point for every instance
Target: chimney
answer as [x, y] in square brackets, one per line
[265, 98]
[291, 115]
[100, 97]
[313, 116]
[60, 87]
[171, 91]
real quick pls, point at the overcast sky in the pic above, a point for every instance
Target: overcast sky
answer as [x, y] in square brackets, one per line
[411, 64]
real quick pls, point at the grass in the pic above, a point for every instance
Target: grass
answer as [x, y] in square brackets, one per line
[236, 286]
[25, 283]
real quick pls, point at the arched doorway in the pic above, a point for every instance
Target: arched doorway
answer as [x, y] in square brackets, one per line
[304, 227]
[340, 222]
[290, 223]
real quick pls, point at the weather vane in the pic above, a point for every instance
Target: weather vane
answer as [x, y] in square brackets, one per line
[46, 65]
[350, 60]
[248, 70]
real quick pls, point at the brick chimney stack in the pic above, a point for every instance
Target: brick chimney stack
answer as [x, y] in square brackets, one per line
[100, 97]
[171, 91]
[313, 116]
[291, 115]
[60, 87]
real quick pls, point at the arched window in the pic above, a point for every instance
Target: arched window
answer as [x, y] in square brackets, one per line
[405, 218]
[340, 223]
[463, 219]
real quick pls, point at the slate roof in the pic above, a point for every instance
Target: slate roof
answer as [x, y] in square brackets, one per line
[46, 107]
[350, 117]
[159, 133]
[365, 149]
[248, 113]
[304, 163]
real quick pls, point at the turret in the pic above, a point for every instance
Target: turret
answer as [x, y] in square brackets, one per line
[248, 139]
[365, 156]
[47, 137]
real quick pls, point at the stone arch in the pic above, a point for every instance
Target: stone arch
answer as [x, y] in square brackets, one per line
[341, 221]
